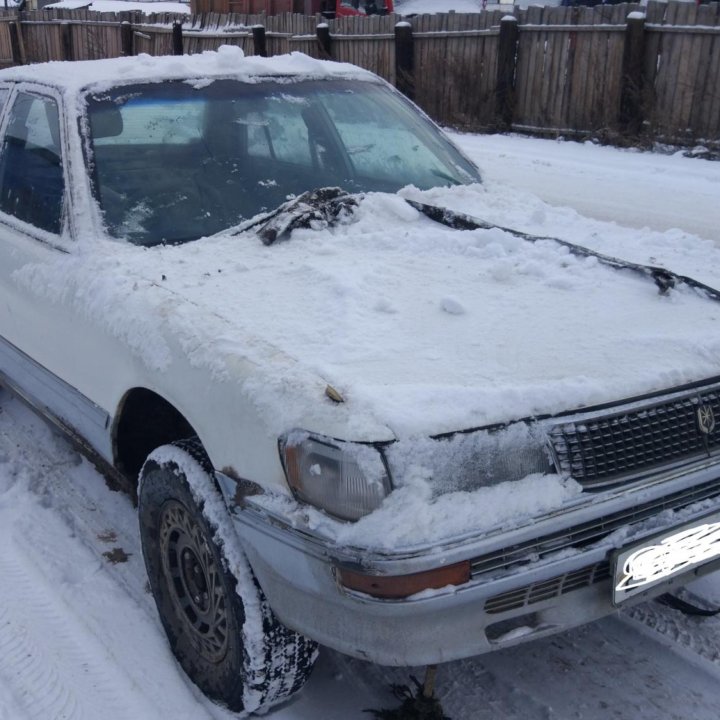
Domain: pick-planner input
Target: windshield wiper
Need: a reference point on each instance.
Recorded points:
(663, 278)
(320, 208)
(323, 205)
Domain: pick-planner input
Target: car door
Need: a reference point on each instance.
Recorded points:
(44, 354)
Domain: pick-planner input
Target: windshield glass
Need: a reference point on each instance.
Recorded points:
(175, 161)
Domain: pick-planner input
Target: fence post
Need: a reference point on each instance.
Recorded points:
(66, 41)
(405, 59)
(324, 41)
(633, 75)
(505, 79)
(259, 40)
(177, 38)
(16, 43)
(127, 39)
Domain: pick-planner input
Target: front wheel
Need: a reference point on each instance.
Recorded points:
(218, 622)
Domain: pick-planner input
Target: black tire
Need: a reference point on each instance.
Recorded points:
(218, 622)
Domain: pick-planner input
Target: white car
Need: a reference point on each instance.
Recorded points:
(253, 292)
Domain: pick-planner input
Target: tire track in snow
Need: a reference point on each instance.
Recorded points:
(54, 666)
(69, 633)
(23, 664)
(9, 706)
(699, 636)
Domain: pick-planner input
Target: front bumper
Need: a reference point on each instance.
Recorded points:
(534, 580)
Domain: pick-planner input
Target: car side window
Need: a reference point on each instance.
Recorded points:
(31, 172)
(3, 98)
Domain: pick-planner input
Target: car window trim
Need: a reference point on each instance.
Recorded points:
(10, 87)
(57, 241)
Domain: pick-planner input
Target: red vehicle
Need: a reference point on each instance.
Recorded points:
(342, 8)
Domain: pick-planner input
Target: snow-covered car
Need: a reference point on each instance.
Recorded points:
(256, 293)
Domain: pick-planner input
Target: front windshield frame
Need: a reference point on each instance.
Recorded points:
(137, 163)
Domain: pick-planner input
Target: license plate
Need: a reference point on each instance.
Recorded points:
(656, 560)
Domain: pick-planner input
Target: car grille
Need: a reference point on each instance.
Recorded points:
(584, 534)
(624, 445)
(537, 592)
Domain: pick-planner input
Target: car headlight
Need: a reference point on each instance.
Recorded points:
(347, 480)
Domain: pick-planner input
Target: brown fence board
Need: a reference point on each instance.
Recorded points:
(708, 107)
(714, 98)
(683, 83)
(374, 52)
(707, 59)
(307, 44)
(527, 68)
(689, 72)
(557, 75)
(595, 75)
(42, 42)
(455, 77)
(6, 57)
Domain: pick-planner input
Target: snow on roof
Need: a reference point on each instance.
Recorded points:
(227, 61)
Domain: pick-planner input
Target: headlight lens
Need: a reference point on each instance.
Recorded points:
(347, 480)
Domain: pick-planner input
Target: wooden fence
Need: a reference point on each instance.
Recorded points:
(606, 70)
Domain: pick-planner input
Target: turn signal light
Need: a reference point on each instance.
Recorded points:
(396, 587)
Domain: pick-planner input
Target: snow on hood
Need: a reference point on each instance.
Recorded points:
(421, 328)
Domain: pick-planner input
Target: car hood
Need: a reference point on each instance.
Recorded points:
(420, 328)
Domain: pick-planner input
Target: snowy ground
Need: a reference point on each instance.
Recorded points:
(79, 636)
(631, 188)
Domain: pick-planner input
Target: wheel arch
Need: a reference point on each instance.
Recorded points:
(145, 420)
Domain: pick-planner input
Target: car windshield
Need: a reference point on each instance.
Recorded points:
(176, 161)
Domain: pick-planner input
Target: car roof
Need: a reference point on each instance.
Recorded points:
(227, 62)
